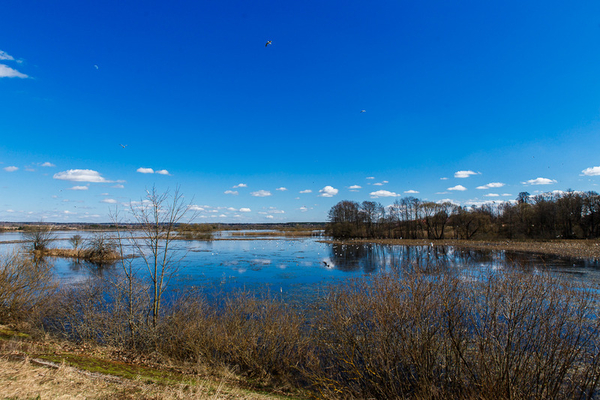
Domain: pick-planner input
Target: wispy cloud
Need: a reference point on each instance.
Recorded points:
(109, 201)
(303, 209)
(411, 191)
(260, 193)
(443, 179)
(383, 193)
(232, 192)
(491, 185)
(355, 187)
(143, 170)
(539, 181)
(306, 191)
(79, 188)
(458, 187)
(118, 186)
(328, 191)
(5, 56)
(592, 171)
(491, 195)
(281, 189)
(245, 210)
(12, 168)
(47, 164)
(465, 174)
(240, 185)
(80, 175)
(8, 72)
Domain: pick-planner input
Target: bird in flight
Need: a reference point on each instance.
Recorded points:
(123, 145)
(268, 43)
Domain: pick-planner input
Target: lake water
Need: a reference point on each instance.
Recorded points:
(297, 265)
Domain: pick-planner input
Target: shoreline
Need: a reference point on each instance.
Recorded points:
(589, 249)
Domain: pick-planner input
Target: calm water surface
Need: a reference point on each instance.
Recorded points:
(295, 265)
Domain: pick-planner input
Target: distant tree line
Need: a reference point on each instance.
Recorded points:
(558, 215)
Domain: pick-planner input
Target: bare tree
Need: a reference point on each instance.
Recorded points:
(158, 215)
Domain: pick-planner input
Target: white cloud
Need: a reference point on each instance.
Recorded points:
(5, 56)
(162, 172)
(465, 174)
(306, 191)
(118, 186)
(491, 185)
(491, 195)
(411, 191)
(281, 189)
(383, 193)
(233, 192)
(458, 187)
(47, 164)
(79, 188)
(109, 201)
(195, 208)
(592, 171)
(378, 184)
(506, 194)
(241, 185)
(328, 191)
(80, 175)
(12, 168)
(539, 181)
(244, 209)
(8, 72)
(448, 201)
(303, 209)
(269, 216)
(260, 193)
(354, 187)
(69, 212)
(370, 177)
(443, 179)
(143, 170)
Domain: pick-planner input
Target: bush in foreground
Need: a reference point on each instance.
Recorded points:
(405, 335)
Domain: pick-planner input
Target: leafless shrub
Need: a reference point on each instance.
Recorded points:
(38, 238)
(76, 241)
(24, 284)
(407, 335)
(101, 248)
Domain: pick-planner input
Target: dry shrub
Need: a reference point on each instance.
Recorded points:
(509, 335)
(25, 282)
(257, 336)
(408, 335)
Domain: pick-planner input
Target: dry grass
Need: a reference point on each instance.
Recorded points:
(28, 379)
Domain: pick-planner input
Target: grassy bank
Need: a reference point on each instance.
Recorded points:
(34, 367)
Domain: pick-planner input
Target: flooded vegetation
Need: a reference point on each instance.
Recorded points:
(323, 319)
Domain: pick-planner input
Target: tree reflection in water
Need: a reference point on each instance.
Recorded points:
(372, 258)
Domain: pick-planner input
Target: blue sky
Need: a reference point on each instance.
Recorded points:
(468, 101)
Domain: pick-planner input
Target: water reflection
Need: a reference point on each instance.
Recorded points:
(292, 262)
